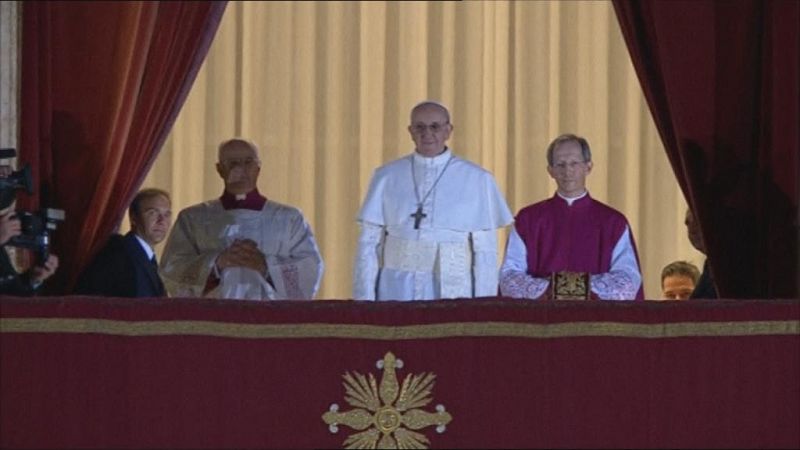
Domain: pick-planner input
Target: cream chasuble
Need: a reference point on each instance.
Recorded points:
(281, 233)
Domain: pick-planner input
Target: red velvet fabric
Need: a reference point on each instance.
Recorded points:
(183, 387)
(722, 80)
(102, 83)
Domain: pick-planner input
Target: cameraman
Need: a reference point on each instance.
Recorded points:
(12, 282)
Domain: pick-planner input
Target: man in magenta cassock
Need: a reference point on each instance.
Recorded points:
(571, 232)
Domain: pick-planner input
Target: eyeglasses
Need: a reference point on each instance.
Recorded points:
(568, 164)
(244, 162)
(435, 127)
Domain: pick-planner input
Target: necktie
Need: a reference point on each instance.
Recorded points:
(160, 285)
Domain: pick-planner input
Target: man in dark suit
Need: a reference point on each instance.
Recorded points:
(126, 266)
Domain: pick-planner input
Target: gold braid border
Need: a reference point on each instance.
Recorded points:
(403, 332)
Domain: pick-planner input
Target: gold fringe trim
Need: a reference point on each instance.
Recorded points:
(403, 332)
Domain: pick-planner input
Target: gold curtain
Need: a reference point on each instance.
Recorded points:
(325, 88)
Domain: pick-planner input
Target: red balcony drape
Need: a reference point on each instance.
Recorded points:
(722, 80)
(192, 373)
(102, 83)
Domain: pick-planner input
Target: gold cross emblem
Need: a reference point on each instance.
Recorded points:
(385, 415)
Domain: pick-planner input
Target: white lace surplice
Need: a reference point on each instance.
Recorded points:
(621, 282)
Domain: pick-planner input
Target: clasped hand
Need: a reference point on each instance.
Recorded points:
(243, 253)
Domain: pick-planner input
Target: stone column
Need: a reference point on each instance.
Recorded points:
(10, 15)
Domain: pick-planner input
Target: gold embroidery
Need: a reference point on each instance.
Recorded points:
(570, 286)
(402, 332)
(390, 411)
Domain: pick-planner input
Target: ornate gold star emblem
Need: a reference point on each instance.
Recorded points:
(387, 413)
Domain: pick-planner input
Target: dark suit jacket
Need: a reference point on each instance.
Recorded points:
(121, 269)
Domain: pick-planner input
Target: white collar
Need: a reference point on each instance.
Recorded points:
(570, 200)
(145, 246)
(433, 161)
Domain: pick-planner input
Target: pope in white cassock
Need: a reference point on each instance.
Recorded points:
(429, 221)
(241, 245)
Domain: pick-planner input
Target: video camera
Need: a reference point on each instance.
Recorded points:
(35, 227)
(18, 180)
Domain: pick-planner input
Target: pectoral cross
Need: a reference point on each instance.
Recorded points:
(418, 217)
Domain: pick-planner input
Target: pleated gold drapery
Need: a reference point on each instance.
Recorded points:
(325, 88)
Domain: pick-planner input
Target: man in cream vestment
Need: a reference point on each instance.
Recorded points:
(429, 221)
(241, 245)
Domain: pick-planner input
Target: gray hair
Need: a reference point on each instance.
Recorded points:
(425, 103)
(585, 150)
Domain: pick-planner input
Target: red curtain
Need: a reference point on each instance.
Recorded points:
(722, 80)
(102, 83)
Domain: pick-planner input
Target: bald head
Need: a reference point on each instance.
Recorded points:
(236, 144)
(238, 165)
